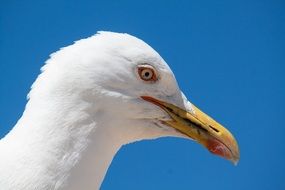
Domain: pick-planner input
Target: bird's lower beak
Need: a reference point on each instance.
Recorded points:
(202, 128)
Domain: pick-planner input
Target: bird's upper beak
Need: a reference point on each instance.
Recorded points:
(200, 127)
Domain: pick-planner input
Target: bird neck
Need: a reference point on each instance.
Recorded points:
(57, 146)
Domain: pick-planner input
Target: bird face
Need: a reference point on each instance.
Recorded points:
(139, 92)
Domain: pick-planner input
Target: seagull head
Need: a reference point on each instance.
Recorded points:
(131, 91)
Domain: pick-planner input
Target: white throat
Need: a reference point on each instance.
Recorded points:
(57, 146)
(83, 107)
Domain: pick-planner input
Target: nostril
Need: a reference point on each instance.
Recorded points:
(216, 130)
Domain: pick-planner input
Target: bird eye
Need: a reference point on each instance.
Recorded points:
(147, 73)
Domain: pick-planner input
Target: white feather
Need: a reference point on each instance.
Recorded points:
(82, 108)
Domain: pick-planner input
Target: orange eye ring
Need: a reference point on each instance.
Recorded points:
(147, 73)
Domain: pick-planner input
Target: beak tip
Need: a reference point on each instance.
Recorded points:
(234, 156)
(235, 161)
(235, 152)
(229, 152)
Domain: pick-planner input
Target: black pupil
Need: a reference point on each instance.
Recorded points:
(146, 74)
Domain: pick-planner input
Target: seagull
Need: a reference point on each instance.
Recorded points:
(92, 98)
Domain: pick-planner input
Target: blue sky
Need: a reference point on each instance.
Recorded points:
(228, 57)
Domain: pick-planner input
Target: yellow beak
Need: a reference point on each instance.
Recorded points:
(202, 128)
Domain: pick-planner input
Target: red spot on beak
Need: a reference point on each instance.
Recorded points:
(218, 148)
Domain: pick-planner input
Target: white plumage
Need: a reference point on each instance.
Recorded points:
(83, 107)
(88, 101)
